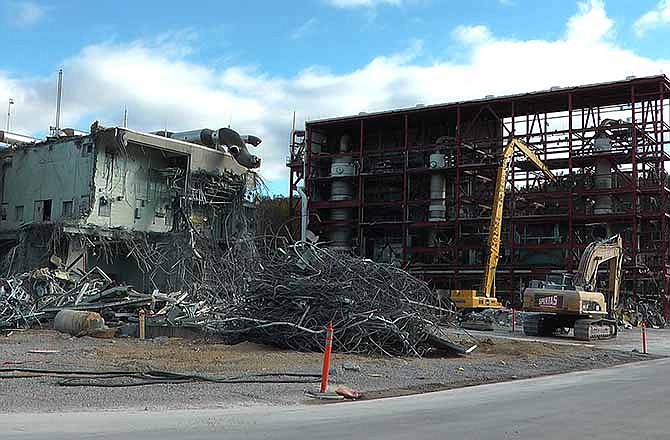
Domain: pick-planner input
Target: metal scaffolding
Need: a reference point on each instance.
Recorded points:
(415, 186)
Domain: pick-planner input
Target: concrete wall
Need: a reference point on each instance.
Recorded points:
(129, 193)
(57, 173)
(109, 179)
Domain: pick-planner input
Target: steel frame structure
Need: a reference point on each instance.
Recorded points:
(546, 226)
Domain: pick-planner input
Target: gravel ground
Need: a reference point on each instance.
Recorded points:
(494, 360)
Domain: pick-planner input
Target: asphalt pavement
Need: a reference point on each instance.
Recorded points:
(627, 402)
(658, 339)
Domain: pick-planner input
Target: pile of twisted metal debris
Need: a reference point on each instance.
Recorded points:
(35, 297)
(633, 311)
(277, 294)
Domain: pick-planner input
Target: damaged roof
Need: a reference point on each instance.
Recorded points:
(202, 158)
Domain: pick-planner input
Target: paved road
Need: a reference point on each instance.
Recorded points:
(628, 339)
(627, 402)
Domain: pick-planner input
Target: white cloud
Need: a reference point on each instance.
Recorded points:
(654, 18)
(26, 13)
(350, 4)
(591, 23)
(471, 35)
(158, 83)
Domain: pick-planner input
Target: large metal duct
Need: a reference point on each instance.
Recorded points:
(437, 211)
(603, 178)
(342, 169)
(16, 139)
(223, 137)
(203, 136)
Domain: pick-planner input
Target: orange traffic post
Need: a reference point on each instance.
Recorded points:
(644, 338)
(326, 358)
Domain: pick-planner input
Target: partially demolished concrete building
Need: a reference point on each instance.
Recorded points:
(131, 203)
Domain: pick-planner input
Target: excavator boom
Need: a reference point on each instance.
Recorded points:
(594, 255)
(495, 227)
(485, 297)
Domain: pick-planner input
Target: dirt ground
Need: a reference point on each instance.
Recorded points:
(493, 360)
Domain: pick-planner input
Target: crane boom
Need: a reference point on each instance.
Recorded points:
(495, 226)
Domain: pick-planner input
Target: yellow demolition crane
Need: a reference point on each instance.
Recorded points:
(485, 298)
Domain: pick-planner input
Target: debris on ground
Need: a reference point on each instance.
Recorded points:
(348, 393)
(322, 396)
(267, 292)
(491, 319)
(478, 321)
(633, 311)
(31, 298)
(287, 297)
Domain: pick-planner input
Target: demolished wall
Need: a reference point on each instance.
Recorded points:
(134, 204)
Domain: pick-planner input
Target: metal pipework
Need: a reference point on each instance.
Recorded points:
(16, 139)
(342, 169)
(603, 178)
(203, 136)
(227, 137)
(438, 189)
(252, 140)
(238, 148)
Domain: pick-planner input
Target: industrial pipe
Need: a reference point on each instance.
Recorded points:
(303, 215)
(235, 143)
(16, 139)
(204, 136)
(252, 140)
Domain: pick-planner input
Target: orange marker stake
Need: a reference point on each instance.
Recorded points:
(326, 358)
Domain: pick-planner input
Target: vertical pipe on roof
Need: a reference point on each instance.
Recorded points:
(58, 99)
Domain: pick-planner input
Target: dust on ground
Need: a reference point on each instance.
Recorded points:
(494, 360)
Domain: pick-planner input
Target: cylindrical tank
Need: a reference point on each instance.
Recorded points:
(78, 323)
(603, 178)
(437, 211)
(340, 235)
(342, 169)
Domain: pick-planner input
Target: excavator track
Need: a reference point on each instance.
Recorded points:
(595, 329)
(539, 325)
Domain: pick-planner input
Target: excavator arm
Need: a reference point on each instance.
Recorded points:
(595, 254)
(495, 227)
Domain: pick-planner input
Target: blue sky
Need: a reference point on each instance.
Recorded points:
(197, 64)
